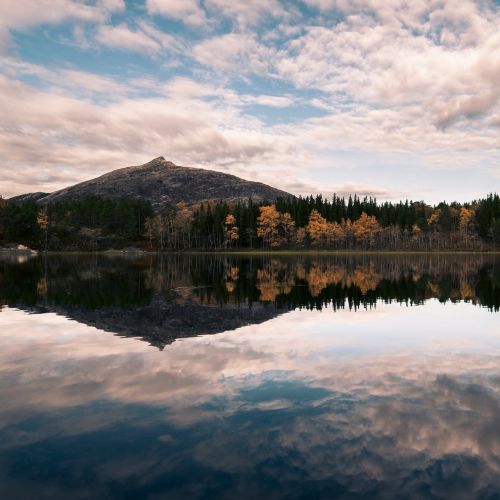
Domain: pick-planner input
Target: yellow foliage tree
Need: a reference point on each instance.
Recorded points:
(366, 228)
(335, 233)
(300, 236)
(275, 227)
(268, 225)
(465, 220)
(435, 217)
(42, 219)
(287, 226)
(416, 233)
(231, 230)
(317, 228)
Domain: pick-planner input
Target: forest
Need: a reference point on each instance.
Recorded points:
(95, 223)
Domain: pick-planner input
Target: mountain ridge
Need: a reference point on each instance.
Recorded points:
(164, 183)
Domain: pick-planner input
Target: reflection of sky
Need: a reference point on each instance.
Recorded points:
(383, 402)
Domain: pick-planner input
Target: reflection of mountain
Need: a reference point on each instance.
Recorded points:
(177, 296)
(161, 323)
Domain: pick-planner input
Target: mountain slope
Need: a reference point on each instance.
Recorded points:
(23, 198)
(163, 183)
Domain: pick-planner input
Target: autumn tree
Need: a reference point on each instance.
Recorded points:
(181, 226)
(156, 230)
(366, 229)
(42, 220)
(348, 231)
(466, 221)
(317, 228)
(231, 230)
(274, 227)
(287, 228)
(434, 218)
(335, 234)
(268, 224)
(416, 234)
(300, 236)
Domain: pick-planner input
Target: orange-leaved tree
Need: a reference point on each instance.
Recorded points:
(231, 230)
(274, 227)
(317, 228)
(366, 228)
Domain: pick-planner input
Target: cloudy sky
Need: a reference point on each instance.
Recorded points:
(392, 98)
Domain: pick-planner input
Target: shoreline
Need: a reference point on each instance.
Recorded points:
(37, 253)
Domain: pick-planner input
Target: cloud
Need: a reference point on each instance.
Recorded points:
(187, 11)
(469, 107)
(122, 37)
(247, 14)
(190, 12)
(236, 53)
(346, 189)
(370, 77)
(88, 138)
(23, 14)
(272, 101)
(72, 81)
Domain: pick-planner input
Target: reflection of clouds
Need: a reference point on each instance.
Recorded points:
(401, 443)
(79, 363)
(393, 401)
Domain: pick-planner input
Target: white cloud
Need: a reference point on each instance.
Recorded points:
(392, 77)
(345, 189)
(247, 14)
(234, 53)
(272, 101)
(187, 11)
(122, 37)
(182, 87)
(23, 14)
(80, 139)
(243, 14)
(71, 81)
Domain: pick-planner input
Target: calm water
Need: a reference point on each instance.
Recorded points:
(225, 377)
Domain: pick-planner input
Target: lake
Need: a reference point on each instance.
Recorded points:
(221, 377)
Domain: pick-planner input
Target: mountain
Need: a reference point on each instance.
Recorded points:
(163, 183)
(23, 198)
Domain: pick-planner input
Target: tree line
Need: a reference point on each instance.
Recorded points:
(91, 223)
(339, 223)
(95, 223)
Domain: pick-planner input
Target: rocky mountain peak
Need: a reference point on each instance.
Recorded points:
(163, 183)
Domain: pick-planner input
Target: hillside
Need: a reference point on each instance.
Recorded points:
(23, 198)
(164, 183)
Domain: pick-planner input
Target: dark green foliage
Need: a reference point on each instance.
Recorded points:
(88, 223)
(18, 224)
(488, 215)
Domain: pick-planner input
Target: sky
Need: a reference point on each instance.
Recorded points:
(388, 98)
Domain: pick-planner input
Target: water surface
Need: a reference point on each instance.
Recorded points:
(225, 377)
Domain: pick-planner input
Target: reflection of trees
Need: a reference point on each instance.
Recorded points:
(299, 281)
(273, 279)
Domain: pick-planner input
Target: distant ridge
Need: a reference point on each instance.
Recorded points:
(22, 198)
(164, 183)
